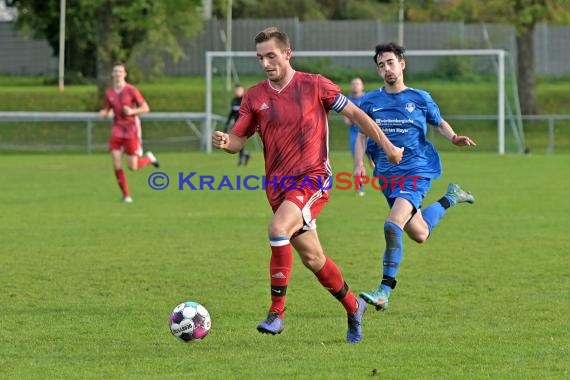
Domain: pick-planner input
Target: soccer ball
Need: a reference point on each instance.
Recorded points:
(190, 321)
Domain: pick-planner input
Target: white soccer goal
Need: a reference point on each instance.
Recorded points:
(495, 60)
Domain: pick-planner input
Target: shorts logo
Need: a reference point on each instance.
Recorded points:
(300, 198)
(410, 107)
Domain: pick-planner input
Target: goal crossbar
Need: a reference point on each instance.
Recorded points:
(499, 53)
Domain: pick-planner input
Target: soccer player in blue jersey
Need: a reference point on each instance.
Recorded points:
(403, 114)
(356, 94)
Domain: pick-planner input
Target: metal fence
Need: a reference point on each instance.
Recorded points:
(22, 56)
(553, 133)
(195, 131)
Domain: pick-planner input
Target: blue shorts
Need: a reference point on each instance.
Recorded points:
(412, 188)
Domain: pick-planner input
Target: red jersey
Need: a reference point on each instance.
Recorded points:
(124, 126)
(293, 125)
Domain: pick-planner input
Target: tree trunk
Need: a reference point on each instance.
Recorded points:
(104, 48)
(525, 70)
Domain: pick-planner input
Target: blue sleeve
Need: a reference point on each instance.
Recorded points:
(433, 115)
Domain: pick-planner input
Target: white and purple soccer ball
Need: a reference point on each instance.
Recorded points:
(190, 321)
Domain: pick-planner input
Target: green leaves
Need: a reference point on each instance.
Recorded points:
(99, 32)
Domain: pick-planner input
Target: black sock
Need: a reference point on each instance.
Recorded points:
(444, 202)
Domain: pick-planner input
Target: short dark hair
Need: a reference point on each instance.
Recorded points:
(273, 32)
(390, 47)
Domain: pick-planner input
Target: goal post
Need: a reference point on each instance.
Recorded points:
(497, 54)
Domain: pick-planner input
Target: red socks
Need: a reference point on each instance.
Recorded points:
(142, 162)
(122, 181)
(280, 267)
(331, 278)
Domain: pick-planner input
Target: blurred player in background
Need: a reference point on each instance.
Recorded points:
(124, 102)
(289, 112)
(356, 94)
(403, 114)
(244, 155)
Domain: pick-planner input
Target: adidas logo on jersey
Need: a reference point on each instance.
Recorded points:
(264, 106)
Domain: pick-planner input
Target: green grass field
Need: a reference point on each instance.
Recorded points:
(88, 282)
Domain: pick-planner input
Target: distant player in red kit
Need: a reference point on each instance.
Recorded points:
(124, 103)
(289, 112)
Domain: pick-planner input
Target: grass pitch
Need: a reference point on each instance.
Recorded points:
(88, 282)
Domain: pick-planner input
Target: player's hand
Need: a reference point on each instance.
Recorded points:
(104, 114)
(395, 155)
(462, 141)
(359, 174)
(359, 169)
(128, 110)
(220, 140)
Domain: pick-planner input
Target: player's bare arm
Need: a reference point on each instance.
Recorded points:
(106, 113)
(447, 131)
(228, 141)
(359, 150)
(369, 127)
(144, 108)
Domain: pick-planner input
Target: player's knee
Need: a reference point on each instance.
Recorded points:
(314, 261)
(420, 237)
(276, 229)
(132, 167)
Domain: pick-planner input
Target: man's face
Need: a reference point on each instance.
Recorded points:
(390, 68)
(356, 86)
(274, 59)
(119, 73)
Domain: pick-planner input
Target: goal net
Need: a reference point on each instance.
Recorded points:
(474, 89)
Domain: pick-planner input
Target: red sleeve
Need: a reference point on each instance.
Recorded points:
(137, 96)
(328, 91)
(246, 124)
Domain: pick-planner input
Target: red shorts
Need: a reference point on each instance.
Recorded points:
(131, 146)
(309, 199)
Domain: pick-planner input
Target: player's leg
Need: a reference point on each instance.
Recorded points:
(435, 211)
(310, 250)
(400, 213)
(244, 157)
(417, 228)
(286, 220)
(135, 159)
(116, 154)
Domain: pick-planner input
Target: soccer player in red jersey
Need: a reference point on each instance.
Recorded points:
(289, 112)
(124, 103)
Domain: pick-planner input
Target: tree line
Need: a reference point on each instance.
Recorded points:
(102, 32)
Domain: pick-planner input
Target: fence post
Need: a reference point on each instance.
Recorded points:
(89, 137)
(550, 148)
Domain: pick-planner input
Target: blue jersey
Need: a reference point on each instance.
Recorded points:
(403, 117)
